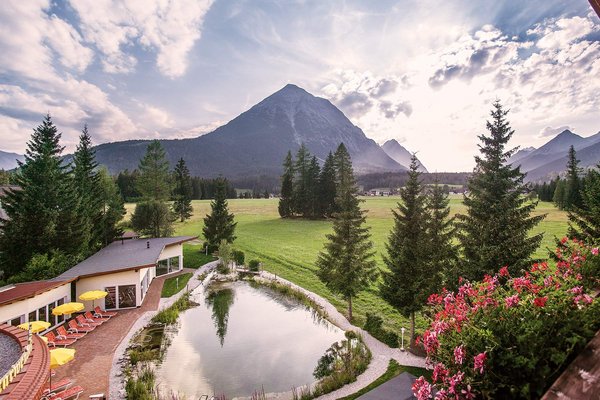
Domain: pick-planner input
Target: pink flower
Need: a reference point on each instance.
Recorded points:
(577, 290)
(430, 341)
(455, 380)
(459, 354)
(504, 271)
(442, 394)
(439, 372)
(512, 301)
(479, 361)
(540, 301)
(422, 389)
(467, 393)
(520, 283)
(595, 251)
(548, 281)
(434, 299)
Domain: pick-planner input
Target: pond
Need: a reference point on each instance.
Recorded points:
(243, 338)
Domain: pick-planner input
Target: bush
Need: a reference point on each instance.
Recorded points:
(239, 257)
(254, 265)
(222, 269)
(374, 325)
(511, 337)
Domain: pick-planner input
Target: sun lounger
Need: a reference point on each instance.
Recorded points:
(103, 314)
(55, 342)
(63, 334)
(90, 318)
(73, 327)
(83, 322)
(59, 386)
(68, 394)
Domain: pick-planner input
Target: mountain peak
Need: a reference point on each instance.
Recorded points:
(566, 134)
(399, 154)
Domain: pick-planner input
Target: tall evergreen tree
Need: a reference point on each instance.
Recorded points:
(86, 180)
(287, 187)
(314, 209)
(407, 284)
(219, 224)
(301, 198)
(560, 194)
(584, 221)
(327, 187)
(152, 216)
(495, 231)
(112, 208)
(346, 264)
(182, 204)
(42, 216)
(573, 185)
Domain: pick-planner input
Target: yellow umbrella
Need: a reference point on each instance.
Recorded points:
(93, 295)
(60, 357)
(67, 308)
(36, 326)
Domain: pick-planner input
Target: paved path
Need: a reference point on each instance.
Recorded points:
(94, 352)
(380, 351)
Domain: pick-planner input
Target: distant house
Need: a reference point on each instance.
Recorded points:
(380, 192)
(125, 269)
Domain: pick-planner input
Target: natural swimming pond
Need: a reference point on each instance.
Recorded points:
(242, 338)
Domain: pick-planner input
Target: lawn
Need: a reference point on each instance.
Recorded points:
(175, 284)
(194, 256)
(289, 247)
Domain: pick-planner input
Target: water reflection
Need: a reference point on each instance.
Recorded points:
(220, 300)
(271, 341)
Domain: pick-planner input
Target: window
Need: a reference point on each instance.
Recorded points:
(32, 316)
(16, 321)
(52, 318)
(110, 301)
(162, 267)
(60, 318)
(127, 296)
(43, 314)
(174, 264)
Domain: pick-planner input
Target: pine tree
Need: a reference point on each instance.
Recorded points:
(406, 285)
(87, 187)
(346, 264)
(560, 194)
(287, 187)
(153, 218)
(301, 195)
(42, 216)
(154, 181)
(495, 231)
(219, 224)
(572, 189)
(327, 187)
(584, 221)
(112, 208)
(314, 210)
(182, 204)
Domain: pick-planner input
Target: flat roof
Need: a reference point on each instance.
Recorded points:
(122, 256)
(21, 291)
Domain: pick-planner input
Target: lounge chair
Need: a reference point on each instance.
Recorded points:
(74, 328)
(59, 386)
(63, 334)
(55, 342)
(68, 394)
(90, 318)
(83, 322)
(103, 314)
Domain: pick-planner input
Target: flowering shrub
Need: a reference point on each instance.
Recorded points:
(510, 337)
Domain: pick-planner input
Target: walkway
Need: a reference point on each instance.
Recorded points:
(380, 351)
(94, 352)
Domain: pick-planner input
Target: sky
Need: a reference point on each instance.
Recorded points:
(419, 71)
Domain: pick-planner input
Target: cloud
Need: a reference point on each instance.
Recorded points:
(549, 131)
(168, 28)
(391, 110)
(383, 87)
(355, 103)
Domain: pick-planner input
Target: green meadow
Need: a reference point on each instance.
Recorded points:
(289, 247)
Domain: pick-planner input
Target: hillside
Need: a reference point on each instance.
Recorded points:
(399, 154)
(9, 160)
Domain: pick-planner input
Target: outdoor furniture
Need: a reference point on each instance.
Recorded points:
(104, 314)
(59, 386)
(54, 341)
(90, 318)
(68, 394)
(83, 322)
(74, 328)
(63, 334)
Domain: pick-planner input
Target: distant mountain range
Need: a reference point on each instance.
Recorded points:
(9, 160)
(256, 142)
(400, 154)
(550, 160)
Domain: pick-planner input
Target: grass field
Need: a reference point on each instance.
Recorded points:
(175, 284)
(289, 248)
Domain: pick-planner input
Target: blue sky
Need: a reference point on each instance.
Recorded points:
(422, 72)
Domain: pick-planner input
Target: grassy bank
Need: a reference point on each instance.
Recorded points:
(289, 248)
(175, 284)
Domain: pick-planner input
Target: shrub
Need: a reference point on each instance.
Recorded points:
(136, 356)
(254, 265)
(222, 269)
(374, 325)
(239, 257)
(511, 337)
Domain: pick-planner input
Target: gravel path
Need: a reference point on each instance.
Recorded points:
(380, 351)
(10, 352)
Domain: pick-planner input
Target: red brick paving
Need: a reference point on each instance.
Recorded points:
(94, 352)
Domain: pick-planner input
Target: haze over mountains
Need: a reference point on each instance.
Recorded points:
(9, 160)
(400, 154)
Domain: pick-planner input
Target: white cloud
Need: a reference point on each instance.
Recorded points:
(549, 131)
(169, 28)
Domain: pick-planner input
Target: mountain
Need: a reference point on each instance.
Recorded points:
(551, 159)
(522, 153)
(9, 160)
(399, 154)
(256, 142)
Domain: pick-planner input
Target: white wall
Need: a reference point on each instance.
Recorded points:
(100, 282)
(175, 250)
(24, 307)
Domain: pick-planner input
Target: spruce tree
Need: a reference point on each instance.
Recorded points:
(407, 283)
(560, 194)
(314, 209)
(495, 231)
(346, 264)
(584, 221)
(112, 208)
(182, 205)
(287, 187)
(87, 187)
(572, 189)
(219, 224)
(42, 217)
(327, 187)
(301, 197)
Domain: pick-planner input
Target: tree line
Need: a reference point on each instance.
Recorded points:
(60, 213)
